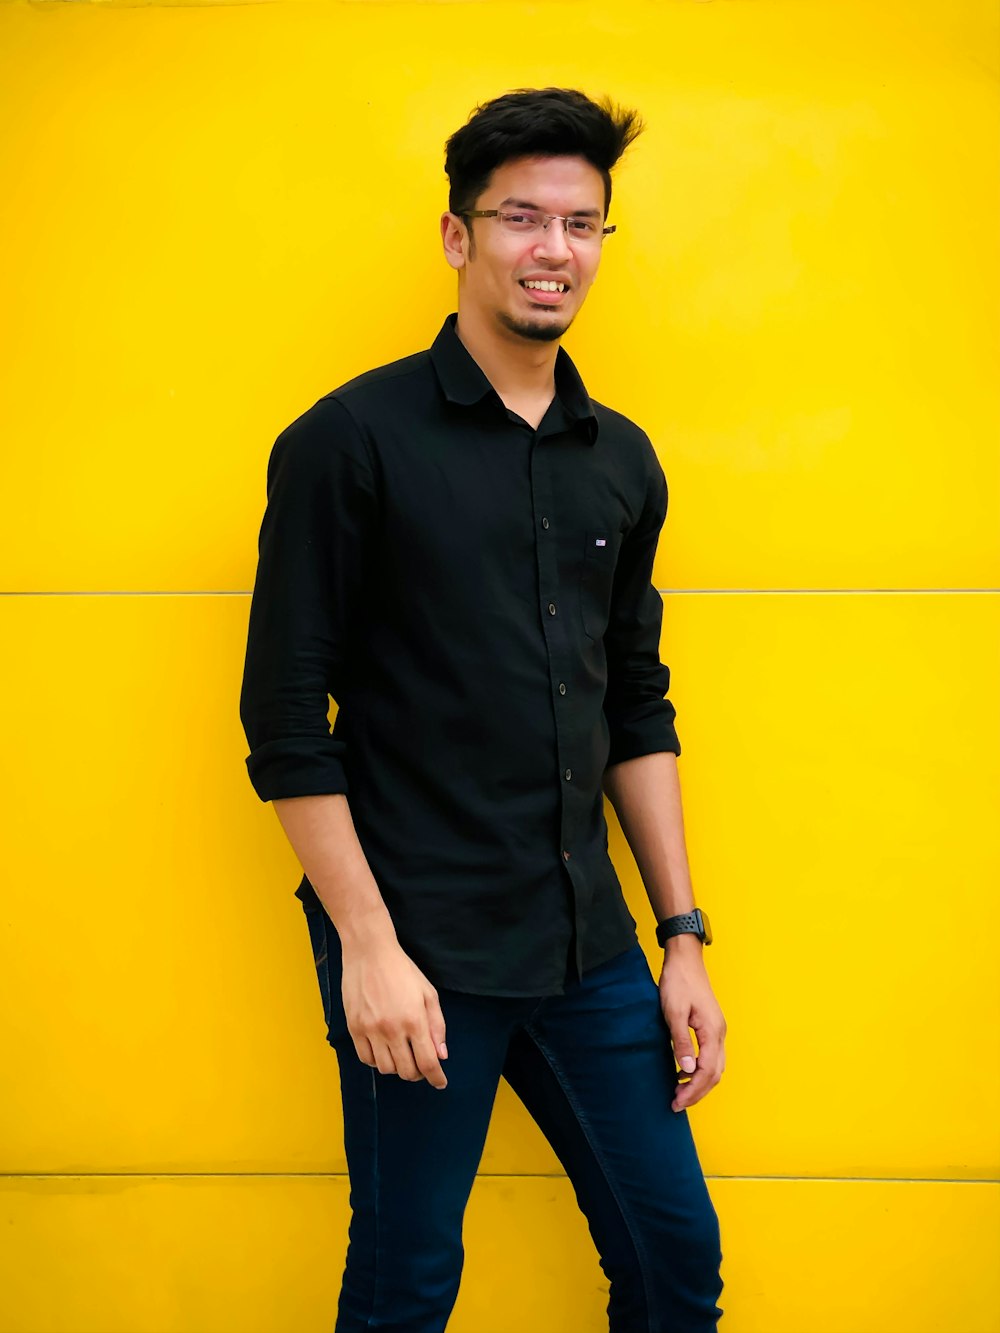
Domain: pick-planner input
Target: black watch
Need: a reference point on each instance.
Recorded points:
(688, 923)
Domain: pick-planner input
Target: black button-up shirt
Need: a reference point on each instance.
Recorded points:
(476, 596)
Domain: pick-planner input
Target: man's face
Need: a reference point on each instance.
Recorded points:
(494, 271)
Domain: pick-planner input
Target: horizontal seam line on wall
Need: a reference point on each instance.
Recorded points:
(487, 1175)
(673, 592)
(223, 4)
(169, 4)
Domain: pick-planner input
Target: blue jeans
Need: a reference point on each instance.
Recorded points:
(595, 1069)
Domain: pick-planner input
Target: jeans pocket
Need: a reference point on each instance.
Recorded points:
(321, 939)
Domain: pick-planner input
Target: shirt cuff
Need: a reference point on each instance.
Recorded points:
(297, 767)
(643, 732)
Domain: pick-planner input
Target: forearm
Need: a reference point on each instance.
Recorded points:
(646, 795)
(322, 834)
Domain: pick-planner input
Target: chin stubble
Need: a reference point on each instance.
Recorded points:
(543, 333)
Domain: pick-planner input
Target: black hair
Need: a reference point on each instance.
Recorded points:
(536, 122)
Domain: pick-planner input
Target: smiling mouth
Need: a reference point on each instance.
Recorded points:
(550, 288)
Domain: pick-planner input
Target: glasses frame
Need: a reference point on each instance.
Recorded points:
(548, 217)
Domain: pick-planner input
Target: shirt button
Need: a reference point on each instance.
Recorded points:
(552, 608)
(565, 856)
(545, 522)
(562, 688)
(568, 774)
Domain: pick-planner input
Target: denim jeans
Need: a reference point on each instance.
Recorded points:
(595, 1069)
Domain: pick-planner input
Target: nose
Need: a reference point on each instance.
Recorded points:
(554, 242)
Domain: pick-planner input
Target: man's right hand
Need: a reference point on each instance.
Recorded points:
(393, 1013)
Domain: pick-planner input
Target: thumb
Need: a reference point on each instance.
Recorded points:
(436, 1025)
(684, 1050)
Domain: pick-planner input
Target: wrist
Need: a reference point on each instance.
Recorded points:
(363, 933)
(686, 943)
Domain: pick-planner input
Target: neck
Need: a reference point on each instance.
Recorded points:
(518, 368)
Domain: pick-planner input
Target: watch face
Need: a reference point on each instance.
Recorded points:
(705, 926)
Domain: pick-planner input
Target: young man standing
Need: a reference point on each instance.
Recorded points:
(458, 548)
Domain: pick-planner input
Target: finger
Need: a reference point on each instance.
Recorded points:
(383, 1056)
(687, 1094)
(364, 1049)
(710, 1056)
(427, 1061)
(436, 1026)
(705, 1077)
(684, 1052)
(403, 1059)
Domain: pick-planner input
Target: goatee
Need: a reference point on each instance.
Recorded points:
(527, 328)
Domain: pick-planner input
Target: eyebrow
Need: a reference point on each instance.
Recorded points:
(526, 203)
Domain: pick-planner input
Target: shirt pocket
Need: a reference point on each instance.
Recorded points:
(597, 574)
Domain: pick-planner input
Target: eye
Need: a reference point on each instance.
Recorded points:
(582, 226)
(523, 221)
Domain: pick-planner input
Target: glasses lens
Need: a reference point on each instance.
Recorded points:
(521, 222)
(527, 220)
(583, 229)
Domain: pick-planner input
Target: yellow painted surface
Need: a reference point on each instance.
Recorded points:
(839, 779)
(160, 1013)
(221, 212)
(264, 1254)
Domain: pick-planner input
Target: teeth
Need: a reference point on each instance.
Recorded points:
(546, 286)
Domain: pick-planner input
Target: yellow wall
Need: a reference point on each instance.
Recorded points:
(215, 214)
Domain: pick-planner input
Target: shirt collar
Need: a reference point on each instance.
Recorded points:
(464, 381)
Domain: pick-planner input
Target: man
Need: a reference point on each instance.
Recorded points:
(457, 548)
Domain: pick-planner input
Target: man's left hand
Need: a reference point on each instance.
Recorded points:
(688, 1002)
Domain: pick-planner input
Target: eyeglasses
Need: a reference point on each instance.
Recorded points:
(527, 220)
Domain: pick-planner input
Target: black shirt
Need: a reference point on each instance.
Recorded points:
(476, 597)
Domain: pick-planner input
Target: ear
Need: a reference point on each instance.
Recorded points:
(455, 239)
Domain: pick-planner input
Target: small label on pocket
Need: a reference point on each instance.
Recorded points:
(600, 541)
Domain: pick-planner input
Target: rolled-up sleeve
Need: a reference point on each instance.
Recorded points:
(640, 718)
(315, 544)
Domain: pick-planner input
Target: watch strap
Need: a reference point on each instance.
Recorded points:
(687, 923)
